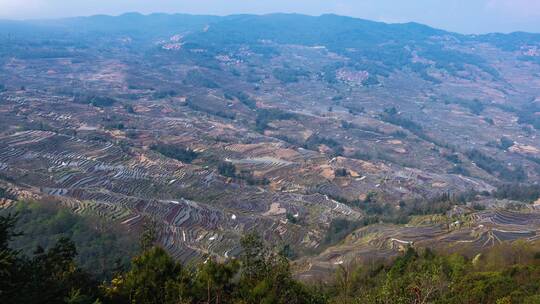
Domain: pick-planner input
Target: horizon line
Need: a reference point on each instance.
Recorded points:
(255, 14)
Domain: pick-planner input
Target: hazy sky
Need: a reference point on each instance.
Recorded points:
(465, 16)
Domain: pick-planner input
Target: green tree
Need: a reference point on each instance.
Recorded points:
(53, 274)
(266, 277)
(9, 261)
(50, 276)
(149, 236)
(215, 282)
(154, 278)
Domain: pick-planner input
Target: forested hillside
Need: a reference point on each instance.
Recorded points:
(508, 273)
(102, 246)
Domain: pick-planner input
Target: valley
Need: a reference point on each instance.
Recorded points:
(344, 140)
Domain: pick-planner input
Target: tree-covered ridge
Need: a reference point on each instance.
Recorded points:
(508, 273)
(388, 46)
(102, 246)
(504, 274)
(54, 276)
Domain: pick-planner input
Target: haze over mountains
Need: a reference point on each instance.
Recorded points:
(324, 134)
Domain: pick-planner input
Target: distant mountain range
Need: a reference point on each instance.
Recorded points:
(337, 33)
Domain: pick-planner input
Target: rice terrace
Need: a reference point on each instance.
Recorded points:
(352, 161)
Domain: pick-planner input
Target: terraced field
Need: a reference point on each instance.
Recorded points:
(468, 234)
(233, 128)
(102, 179)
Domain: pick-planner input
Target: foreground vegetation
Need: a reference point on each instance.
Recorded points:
(508, 273)
(102, 248)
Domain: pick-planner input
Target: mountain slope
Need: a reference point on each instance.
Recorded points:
(302, 128)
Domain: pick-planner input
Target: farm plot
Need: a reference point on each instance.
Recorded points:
(100, 178)
(485, 229)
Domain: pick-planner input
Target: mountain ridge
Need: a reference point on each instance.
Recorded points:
(222, 17)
